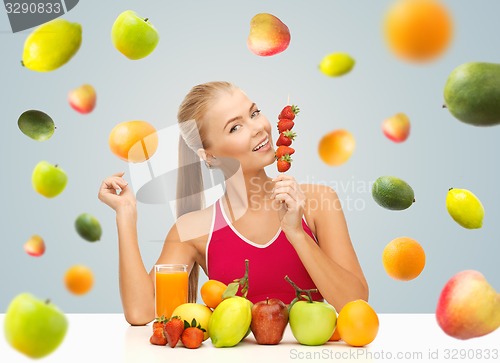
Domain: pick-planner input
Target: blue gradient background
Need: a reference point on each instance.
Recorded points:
(204, 41)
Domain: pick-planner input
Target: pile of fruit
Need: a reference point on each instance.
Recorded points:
(227, 319)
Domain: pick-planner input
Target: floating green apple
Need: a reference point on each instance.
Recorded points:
(134, 36)
(36, 124)
(48, 180)
(34, 327)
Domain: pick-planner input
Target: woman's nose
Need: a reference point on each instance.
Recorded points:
(259, 125)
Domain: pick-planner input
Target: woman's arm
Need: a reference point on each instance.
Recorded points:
(136, 284)
(332, 264)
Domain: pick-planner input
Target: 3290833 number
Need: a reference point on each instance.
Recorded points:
(33, 8)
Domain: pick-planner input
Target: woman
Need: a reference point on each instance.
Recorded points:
(283, 228)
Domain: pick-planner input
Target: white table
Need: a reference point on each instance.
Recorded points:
(99, 338)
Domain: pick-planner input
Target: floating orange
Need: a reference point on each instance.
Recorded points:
(79, 279)
(403, 258)
(134, 141)
(336, 147)
(418, 30)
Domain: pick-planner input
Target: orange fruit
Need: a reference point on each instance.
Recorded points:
(335, 336)
(418, 30)
(134, 141)
(403, 258)
(336, 147)
(79, 279)
(357, 323)
(211, 293)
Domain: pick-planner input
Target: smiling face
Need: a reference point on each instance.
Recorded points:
(235, 128)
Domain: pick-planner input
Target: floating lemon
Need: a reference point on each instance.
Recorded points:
(336, 64)
(51, 45)
(465, 208)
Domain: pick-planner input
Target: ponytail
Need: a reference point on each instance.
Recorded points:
(190, 197)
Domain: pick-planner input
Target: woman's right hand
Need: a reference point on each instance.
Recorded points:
(108, 192)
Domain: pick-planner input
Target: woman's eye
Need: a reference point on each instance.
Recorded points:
(234, 128)
(255, 113)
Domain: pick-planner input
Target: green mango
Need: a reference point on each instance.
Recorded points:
(472, 93)
(230, 322)
(88, 227)
(36, 124)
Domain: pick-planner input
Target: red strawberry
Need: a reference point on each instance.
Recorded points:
(286, 138)
(173, 330)
(289, 112)
(284, 163)
(159, 322)
(284, 150)
(285, 124)
(158, 337)
(192, 336)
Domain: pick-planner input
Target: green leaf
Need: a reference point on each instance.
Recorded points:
(231, 290)
(186, 324)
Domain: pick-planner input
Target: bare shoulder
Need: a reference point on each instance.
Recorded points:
(320, 200)
(194, 226)
(318, 191)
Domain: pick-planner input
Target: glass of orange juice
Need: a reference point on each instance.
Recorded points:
(171, 288)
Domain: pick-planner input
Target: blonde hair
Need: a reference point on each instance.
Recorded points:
(190, 192)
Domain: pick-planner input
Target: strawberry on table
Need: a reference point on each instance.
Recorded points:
(286, 138)
(158, 337)
(289, 112)
(173, 330)
(192, 336)
(159, 322)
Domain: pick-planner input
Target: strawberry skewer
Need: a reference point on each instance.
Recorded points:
(286, 137)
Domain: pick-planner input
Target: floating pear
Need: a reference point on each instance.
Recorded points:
(472, 93)
(36, 124)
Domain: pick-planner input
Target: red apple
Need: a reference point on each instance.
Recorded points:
(35, 246)
(269, 320)
(83, 98)
(468, 306)
(268, 35)
(397, 127)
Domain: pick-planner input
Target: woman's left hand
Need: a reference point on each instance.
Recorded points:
(288, 193)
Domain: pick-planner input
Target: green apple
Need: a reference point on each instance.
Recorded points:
(312, 323)
(48, 180)
(134, 36)
(34, 327)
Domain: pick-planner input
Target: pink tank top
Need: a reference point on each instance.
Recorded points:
(227, 250)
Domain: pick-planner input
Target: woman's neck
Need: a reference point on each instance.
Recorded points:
(247, 191)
